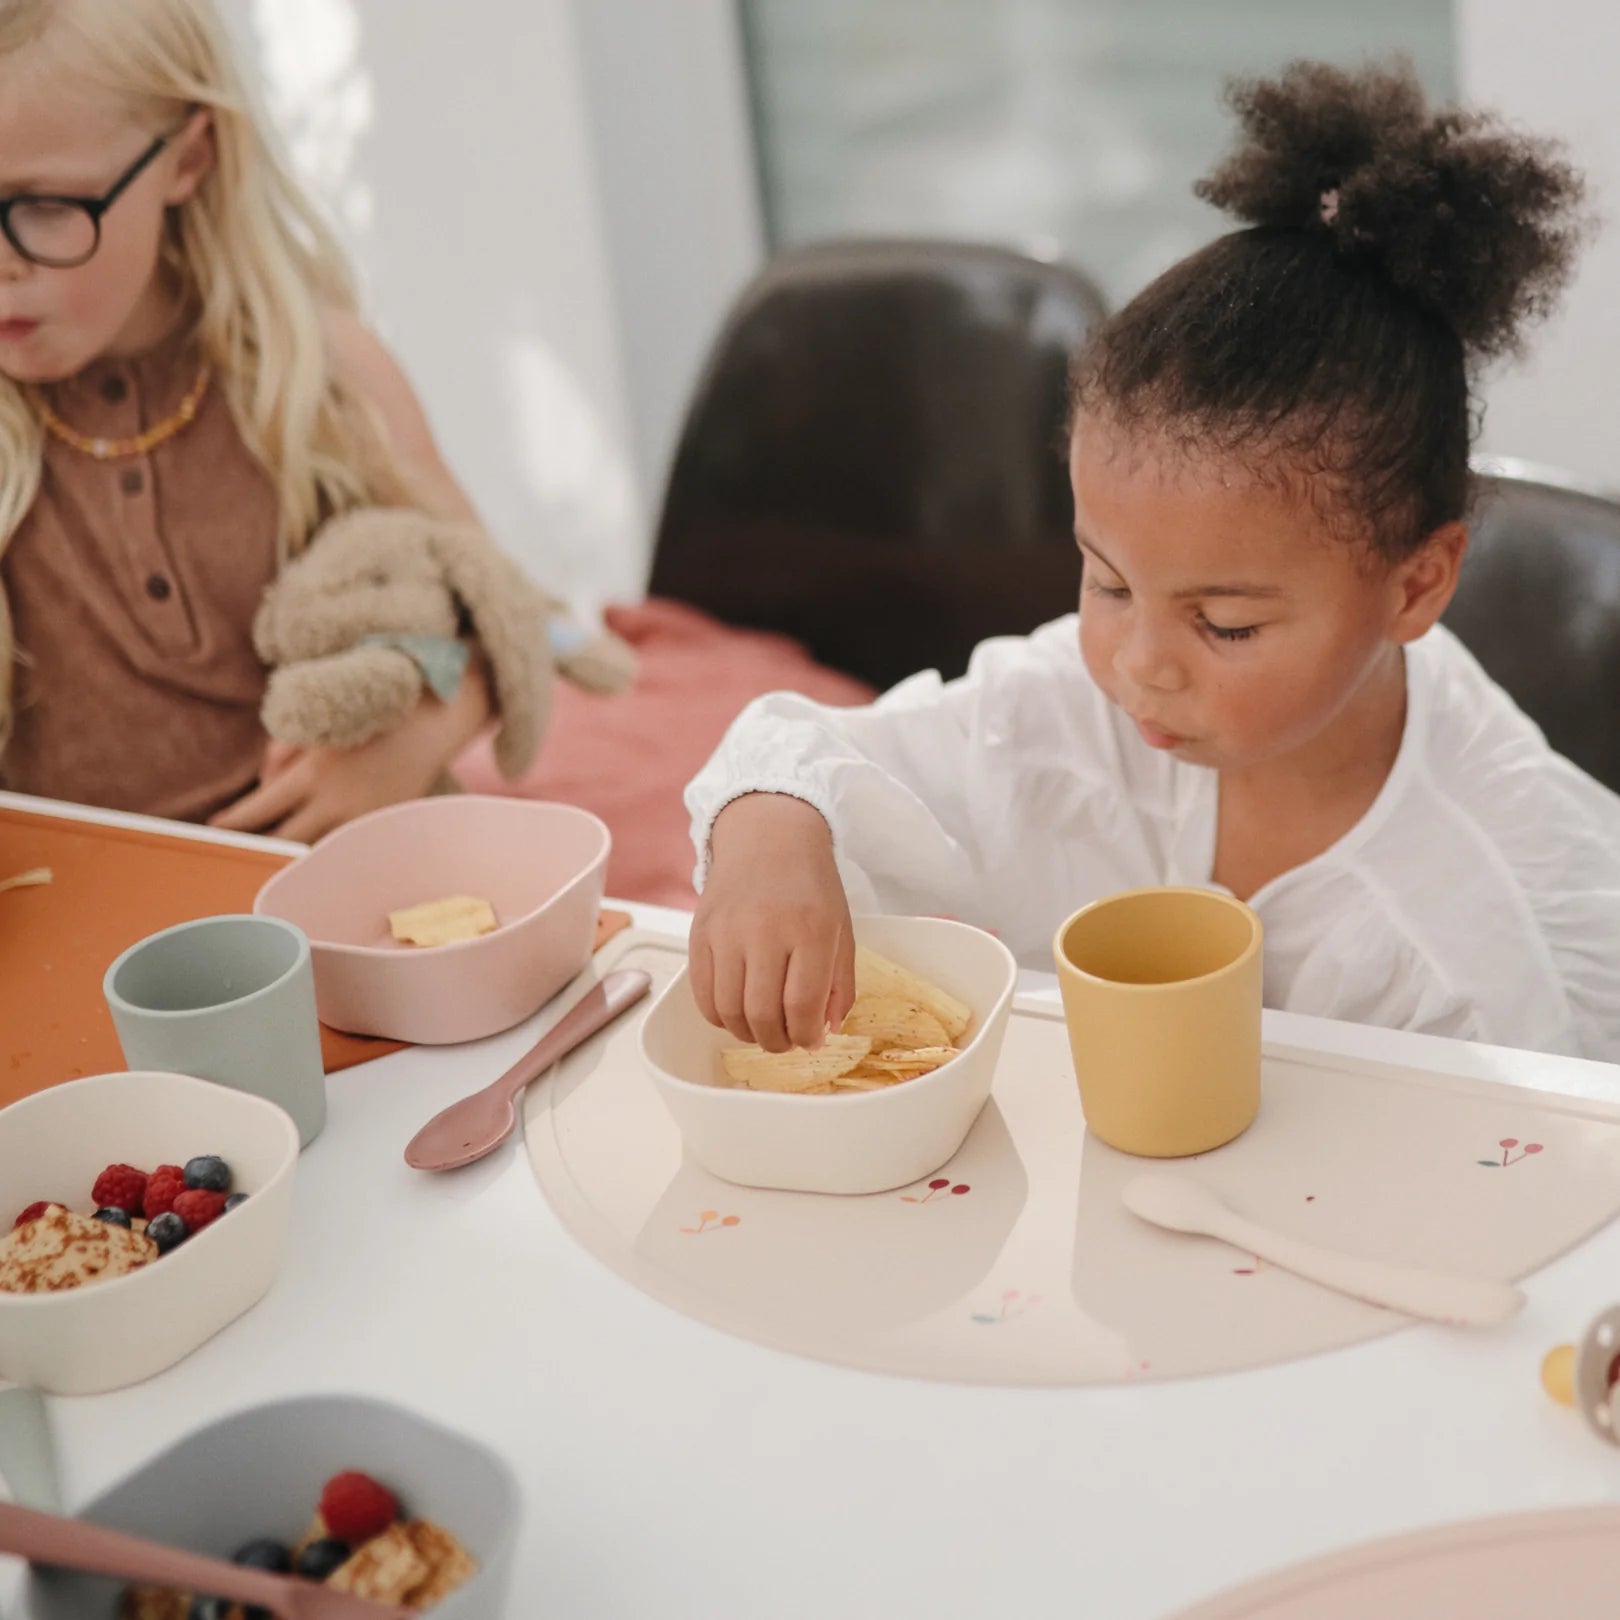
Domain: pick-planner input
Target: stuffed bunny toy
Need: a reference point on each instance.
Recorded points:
(373, 610)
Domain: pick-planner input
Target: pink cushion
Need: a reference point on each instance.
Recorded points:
(629, 758)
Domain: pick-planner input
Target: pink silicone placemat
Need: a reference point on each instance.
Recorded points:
(1016, 1263)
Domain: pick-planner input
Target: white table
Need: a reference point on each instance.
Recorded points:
(670, 1470)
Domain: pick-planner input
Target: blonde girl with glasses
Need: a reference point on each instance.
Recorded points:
(186, 393)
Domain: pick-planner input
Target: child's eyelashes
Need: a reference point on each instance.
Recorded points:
(1220, 632)
(1237, 632)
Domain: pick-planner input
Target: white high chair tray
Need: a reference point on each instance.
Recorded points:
(1016, 1263)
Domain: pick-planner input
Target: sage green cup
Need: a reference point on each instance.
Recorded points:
(228, 999)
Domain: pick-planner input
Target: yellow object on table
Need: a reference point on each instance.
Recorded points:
(443, 922)
(1558, 1374)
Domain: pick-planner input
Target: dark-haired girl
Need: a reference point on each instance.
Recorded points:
(1270, 468)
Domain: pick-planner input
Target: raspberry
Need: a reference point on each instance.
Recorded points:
(32, 1213)
(163, 1186)
(198, 1207)
(356, 1508)
(120, 1186)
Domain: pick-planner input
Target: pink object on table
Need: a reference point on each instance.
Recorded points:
(63, 1543)
(476, 1125)
(541, 867)
(628, 759)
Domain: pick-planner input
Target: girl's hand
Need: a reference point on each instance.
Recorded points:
(773, 949)
(304, 793)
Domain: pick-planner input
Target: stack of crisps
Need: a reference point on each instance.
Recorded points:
(899, 1027)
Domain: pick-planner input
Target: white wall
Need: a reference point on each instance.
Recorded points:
(672, 140)
(1551, 67)
(550, 205)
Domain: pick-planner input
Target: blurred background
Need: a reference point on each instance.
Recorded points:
(553, 202)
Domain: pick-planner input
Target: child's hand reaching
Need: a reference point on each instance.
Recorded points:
(773, 949)
(304, 793)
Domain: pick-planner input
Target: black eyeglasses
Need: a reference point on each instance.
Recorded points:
(62, 232)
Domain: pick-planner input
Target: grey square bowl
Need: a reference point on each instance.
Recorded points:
(260, 1472)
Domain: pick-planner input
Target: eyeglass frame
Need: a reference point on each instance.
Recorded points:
(93, 207)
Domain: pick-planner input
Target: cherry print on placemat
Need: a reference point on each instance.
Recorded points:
(1013, 1305)
(711, 1220)
(936, 1187)
(1507, 1145)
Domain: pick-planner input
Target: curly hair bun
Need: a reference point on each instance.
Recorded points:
(1472, 219)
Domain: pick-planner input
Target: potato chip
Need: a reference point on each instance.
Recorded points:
(797, 1070)
(31, 879)
(877, 976)
(892, 1021)
(907, 1065)
(443, 922)
(855, 1080)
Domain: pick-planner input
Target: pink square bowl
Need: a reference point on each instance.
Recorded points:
(542, 867)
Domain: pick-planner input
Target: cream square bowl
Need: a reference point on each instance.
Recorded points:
(542, 867)
(863, 1143)
(109, 1334)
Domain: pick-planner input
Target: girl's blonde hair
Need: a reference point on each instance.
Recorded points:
(248, 252)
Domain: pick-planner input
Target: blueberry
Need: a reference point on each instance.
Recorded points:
(263, 1554)
(320, 1558)
(113, 1216)
(209, 1173)
(168, 1231)
(235, 1201)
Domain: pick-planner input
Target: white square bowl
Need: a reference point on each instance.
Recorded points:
(861, 1143)
(109, 1334)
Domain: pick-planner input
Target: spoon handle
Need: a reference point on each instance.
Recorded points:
(1432, 1295)
(44, 1538)
(597, 1008)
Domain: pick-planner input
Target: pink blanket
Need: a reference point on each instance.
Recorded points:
(627, 759)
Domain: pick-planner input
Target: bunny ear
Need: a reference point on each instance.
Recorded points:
(509, 617)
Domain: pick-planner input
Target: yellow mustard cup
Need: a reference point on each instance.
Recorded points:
(1161, 993)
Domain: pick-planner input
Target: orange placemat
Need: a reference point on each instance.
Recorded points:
(110, 887)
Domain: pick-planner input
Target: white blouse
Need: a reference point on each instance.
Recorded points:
(1479, 896)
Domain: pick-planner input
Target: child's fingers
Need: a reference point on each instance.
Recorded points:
(311, 821)
(841, 997)
(765, 975)
(805, 995)
(700, 975)
(277, 757)
(728, 992)
(267, 804)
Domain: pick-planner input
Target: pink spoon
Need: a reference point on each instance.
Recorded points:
(43, 1538)
(478, 1124)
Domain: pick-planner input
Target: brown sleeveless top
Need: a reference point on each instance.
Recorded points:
(133, 586)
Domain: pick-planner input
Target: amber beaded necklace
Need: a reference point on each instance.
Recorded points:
(142, 443)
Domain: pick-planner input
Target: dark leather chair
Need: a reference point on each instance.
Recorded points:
(1539, 606)
(872, 461)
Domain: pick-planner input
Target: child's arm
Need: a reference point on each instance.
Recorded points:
(910, 804)
(305, 793)
(364, 365)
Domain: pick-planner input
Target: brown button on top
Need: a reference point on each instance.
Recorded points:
(132, 483)
(115, 390)
(158, 588)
